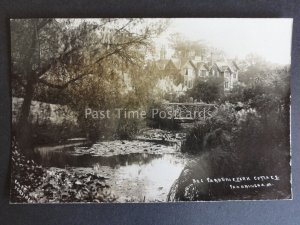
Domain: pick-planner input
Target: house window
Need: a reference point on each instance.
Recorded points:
(226, 84)
(203, 72)
(234, 75)
(185, 82)
(186, 71)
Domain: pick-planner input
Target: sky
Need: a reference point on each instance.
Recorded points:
(269, 38)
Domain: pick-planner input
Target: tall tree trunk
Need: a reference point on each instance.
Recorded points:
(23, 132)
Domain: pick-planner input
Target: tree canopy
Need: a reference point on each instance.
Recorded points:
(50, 57)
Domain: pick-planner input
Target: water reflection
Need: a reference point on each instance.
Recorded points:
(133, 177)
(148, 182)
(63, 158)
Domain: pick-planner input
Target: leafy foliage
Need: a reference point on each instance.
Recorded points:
(248, 138)
(69, 186)
(206, 91)
(33, 184)
(53, 58)
(26, 175)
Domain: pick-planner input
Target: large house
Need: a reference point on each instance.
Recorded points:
(186, 72)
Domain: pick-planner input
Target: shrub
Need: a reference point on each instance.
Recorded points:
(157, 122)
(237, 143)
(127, 128)
(32, 183)
(50, 134)
(207, 134)
(26, 175)
(206, 91)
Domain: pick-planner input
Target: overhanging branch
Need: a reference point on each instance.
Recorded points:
(66, 84)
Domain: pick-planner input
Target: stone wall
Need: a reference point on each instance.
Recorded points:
(41, 112)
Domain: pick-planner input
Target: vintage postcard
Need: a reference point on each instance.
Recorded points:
(150, 110)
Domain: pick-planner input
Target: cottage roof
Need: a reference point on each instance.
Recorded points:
(188, 62)
(202, 65)
(171, 65)
(177, 63)
(234, 65)
(222, 66)
(191, 62)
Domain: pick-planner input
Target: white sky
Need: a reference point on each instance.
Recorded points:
(269, 38)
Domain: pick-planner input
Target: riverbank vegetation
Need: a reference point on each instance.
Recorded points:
(248, 136)
(80, 68)
(77, 64)
(31, 183)
(61, 67)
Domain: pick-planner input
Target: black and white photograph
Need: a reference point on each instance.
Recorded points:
(144, 110)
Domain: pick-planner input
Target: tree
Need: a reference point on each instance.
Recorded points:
(207, 91)
(184, 48)
(57, 53)
(255, 69)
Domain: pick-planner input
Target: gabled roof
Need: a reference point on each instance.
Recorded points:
(234, 65)
(190, 62)
(202, 65)
(177, 63)
(216, 66)
(171, 64)
(222, 66)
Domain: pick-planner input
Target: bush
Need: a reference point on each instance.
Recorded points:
(237, 143)
(26, 175)
(31, 183)
(127, 129)
(206, 91)
(207, 134)
(51, 134)
(157, 122)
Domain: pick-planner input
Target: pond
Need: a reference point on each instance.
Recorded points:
(138, 177)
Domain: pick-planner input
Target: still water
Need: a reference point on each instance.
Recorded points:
(134, 177)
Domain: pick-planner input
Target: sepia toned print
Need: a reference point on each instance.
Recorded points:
(150, 110)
